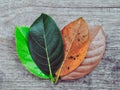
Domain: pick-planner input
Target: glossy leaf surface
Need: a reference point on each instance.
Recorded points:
(46, 44)
(21, 38)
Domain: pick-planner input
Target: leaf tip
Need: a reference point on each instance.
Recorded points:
(82, 18)
(44, 14)
(16, 27)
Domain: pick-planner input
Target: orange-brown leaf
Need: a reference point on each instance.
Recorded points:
(76, 42)
(93, 56)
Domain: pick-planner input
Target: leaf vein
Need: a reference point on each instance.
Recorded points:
(37, 42)
(39, 54)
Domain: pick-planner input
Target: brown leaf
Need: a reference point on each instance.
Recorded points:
(94, 54)
(76, 42)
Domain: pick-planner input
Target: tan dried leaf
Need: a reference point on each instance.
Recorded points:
(94, 54)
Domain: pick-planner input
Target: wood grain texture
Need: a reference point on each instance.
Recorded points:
(13, 76)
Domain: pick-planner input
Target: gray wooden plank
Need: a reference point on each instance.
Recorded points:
(13, 76)
(61, 3)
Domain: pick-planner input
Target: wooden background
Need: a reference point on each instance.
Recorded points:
(13, 76)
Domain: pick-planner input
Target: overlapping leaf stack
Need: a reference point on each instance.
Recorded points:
(49, 54)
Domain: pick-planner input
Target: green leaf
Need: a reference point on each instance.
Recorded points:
(21, 38)
(46, 45)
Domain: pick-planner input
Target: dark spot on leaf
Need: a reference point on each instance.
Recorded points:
(68, 68)
(84, 36)
(71, 57)
(78, 39)
(77, 55)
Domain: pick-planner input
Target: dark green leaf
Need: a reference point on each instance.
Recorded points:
(46, 45)
(21, 37)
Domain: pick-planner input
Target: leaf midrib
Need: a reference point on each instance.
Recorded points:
(48, 59)
(66, 55)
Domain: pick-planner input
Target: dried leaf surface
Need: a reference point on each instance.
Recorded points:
(76, 42)
(94, 54)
